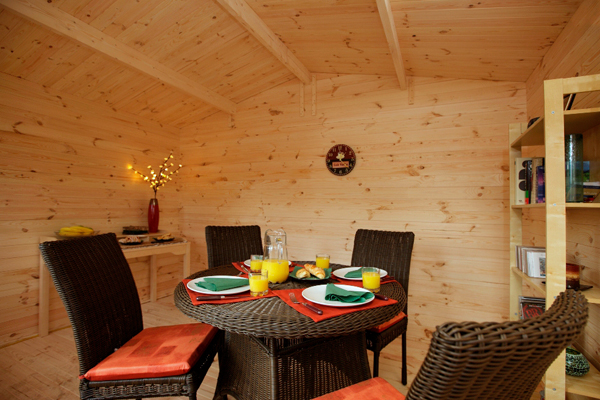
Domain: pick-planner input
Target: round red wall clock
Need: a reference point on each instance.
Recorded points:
(340, 160)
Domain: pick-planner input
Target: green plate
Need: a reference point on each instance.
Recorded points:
(312, 277)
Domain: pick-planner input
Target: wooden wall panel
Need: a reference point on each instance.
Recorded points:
(576, 52)
(438, 167)
(63, 161)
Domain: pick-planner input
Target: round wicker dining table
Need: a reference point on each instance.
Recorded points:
(271, 351)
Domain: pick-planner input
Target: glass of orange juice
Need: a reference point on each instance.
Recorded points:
(322, 260)
(256, 261)
(371, 279)
(259, 282)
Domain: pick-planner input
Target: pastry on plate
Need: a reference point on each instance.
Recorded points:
(314, 270)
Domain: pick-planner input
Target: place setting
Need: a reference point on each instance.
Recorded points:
(329, 300)
(221, 289)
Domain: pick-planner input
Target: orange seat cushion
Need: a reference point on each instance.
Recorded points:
(156, 352)
(387, 324)
(371, 389)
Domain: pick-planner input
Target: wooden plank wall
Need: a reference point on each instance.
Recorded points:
(432, 160)
(64, 161)
(575, 52)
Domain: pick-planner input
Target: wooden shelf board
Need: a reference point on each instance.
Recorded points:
(592, 295)
(576, 121)
(567, 205)
(587, 385)
(535, 283)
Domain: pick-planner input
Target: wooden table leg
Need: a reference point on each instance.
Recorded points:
(153, 278)
(44, 301)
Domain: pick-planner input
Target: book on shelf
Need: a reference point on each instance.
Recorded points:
(534, 265)
(541, 184)
(521, 193)
(531, 306)
(536, 162)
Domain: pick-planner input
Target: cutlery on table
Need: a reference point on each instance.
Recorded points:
(220, 297)
(381, 297)
(309, 306)
(244, 268)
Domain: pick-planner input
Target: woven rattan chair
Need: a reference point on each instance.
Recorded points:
(118, 359)
(392, 252)
(484, 361)
(227, 244)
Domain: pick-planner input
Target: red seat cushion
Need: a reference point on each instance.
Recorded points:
(371, 389)
(156, 352)
(387, 324)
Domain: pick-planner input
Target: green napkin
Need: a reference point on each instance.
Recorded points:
(336, 293)
(218, 284)
(354, 274)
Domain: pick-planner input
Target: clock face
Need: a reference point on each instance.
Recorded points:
(340, 160)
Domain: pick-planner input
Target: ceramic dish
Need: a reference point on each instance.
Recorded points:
(163, 240)
(192, 286)
(343, 271)
(132, 240)
(316, 294)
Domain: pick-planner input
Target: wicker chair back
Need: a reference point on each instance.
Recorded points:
(391, 251)
(226, 244)
(95, 283)
(498, 360)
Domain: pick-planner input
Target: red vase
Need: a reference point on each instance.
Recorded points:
(153, 216)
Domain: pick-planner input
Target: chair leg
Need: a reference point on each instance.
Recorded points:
(404, 372)
(375, 364)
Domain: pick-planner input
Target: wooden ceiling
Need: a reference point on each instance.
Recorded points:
(178, 61)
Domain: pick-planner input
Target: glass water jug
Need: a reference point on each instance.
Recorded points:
(276, 256)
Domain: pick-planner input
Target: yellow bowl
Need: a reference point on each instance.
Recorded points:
(75, 235)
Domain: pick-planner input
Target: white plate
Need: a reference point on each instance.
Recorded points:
(316, 294)
(247, 263)
(192, 286)
(343, 271)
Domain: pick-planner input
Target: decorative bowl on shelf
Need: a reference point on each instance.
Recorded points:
(575, 363)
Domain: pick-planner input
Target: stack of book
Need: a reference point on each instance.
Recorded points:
(531, 260)
(530, 180)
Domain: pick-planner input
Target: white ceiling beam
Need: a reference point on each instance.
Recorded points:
(387, 19)
(245, 15)
(51, 17)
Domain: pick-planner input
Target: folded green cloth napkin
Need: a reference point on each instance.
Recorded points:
(218, 284)
(354, 274)
(336, 293)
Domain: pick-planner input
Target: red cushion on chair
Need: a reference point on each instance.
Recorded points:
(155, 352)
(371, 389)
(387, 324)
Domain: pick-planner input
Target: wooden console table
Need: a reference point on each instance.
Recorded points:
(143, 250)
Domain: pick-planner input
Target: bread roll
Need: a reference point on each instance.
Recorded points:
(314, 270)
(302, 273)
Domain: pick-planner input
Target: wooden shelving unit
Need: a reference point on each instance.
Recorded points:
(549, 131)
